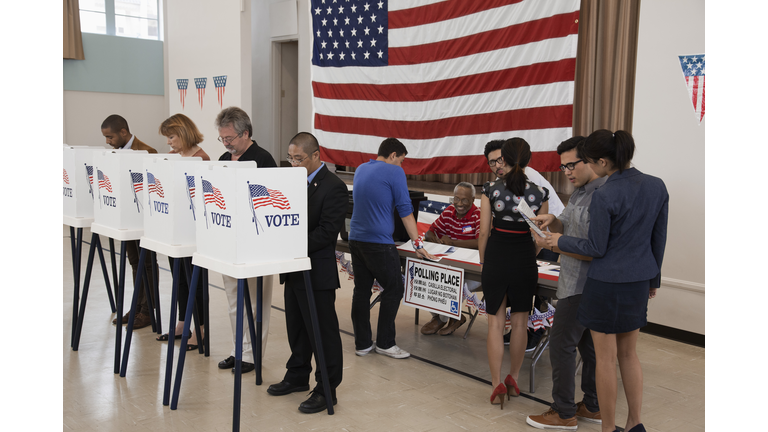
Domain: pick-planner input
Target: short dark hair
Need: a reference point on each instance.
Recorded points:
(392, 145)
(115, 123)
(492, 146)
(306, 141)
(569, 144)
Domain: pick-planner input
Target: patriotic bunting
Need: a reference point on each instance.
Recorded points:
(693, 72)
(200, 86)
(182, 85)
(221, 83)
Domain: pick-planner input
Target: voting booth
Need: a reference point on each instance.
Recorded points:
(248, 215)
(78, 187)
(169, 187)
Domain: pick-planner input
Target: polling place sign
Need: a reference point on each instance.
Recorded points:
(434, 287)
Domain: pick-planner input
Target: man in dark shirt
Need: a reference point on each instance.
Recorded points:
(235, 132)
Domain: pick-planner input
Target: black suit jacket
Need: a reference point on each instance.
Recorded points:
(327, 208)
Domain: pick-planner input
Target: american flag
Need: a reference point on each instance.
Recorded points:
(153, 185)
(221, 84)
(200, 86)
(693, 71)
(66, 177)
(212, 194)
(444, 78)
(182, 85)
(191, 185)
(262, 196)
(103, 181)
(138, 182)
(89, 170)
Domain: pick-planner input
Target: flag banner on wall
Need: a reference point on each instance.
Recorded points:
(221, 84)
(200, 86)
(182, 85)
(444, 78)
(693, 71)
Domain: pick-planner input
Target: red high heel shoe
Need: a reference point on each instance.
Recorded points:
(499, 393)
(512, 389)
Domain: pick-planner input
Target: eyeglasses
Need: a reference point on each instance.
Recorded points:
(494, 162)
(296, 161)
(457, 200)
(228, 140)
(570, 166)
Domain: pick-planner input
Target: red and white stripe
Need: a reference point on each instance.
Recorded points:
(695, 85)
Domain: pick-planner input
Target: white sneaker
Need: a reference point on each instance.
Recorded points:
(363, 352)
(394, 352)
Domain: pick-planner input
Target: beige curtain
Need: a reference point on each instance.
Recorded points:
(73, 39)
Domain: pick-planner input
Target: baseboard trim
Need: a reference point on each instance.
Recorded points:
(674, 334)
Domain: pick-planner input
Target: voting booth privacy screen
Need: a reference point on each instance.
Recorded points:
(247, 215)
(118, 182)
(169, 190)
(79, 192)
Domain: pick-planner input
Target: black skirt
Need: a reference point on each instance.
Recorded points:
(509, 269)
(614, 307)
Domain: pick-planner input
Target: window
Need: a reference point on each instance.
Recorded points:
(128, 18)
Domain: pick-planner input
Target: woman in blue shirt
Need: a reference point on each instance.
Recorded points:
(627, 236)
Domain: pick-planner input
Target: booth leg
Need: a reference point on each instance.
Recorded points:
(132, 315)
(171, 332)
(207, 337)
(238, 355)
(112, 254)
(104, 270)
(320, 357)
(256, 337)
(76, 242)
(156, 280)
(184, 338)
(86, 285)
(120, 296)
(193, 299)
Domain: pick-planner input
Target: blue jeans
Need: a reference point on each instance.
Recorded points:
(381, 262)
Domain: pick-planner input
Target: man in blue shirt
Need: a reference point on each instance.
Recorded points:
(380, 188)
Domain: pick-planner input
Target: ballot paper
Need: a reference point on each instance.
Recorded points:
(528, 214)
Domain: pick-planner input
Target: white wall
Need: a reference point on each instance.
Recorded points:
(670, 145)
(85, 111)
(207, 39)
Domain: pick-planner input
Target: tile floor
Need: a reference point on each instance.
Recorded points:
(377, 394)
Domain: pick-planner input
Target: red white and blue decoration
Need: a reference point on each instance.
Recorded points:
(221, 84)
(182, 84)
(200, 86)
(66, 177)
(444, 78)
(191, 193)
(137, 180)
(89, 173)
(693, 71)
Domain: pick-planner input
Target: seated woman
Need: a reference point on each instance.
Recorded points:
(183, 138)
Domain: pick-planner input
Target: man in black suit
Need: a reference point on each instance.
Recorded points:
(327, 208)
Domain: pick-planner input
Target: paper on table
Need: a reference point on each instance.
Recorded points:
(441, 251)
(528, 214)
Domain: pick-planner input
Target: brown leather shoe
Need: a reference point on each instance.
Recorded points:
(141, 320)
(125, 319)
(432, 326)
(452, 326)
(584, 413)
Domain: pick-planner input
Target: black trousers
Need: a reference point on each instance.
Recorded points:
(567, 335)
(132, 252)
(301, 337)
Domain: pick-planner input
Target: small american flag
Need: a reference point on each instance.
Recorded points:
(693, 71)
(89, 170)
(66, 177)
(263, 196)
(138, 182)
(103, 181)
(212, 195)
(191, 186)
(153, 185)
(182, 85)
(200, 86)
(221, 84)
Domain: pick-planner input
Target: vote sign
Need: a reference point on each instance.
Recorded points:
(119, 189)
(250, 215)
(77, 181)
(434, 287)
(169, 202)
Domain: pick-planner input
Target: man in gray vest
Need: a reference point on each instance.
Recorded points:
(567, 334)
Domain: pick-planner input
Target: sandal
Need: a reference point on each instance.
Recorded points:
(191, 347)
(164, 337)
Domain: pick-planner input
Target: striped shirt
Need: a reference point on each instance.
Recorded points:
(466, 228)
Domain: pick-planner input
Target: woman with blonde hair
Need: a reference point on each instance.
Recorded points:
(184, 139)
